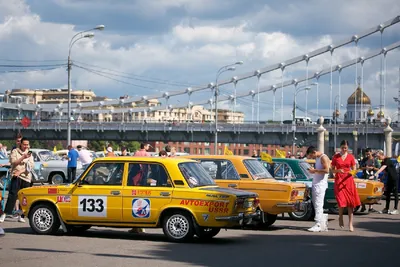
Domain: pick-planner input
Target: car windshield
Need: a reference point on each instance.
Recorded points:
(195, 174)
(45, 155)
(304, 166)
(256, 169)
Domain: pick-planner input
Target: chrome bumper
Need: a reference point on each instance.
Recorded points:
(241, 218)
(332, 201)
(374, 197)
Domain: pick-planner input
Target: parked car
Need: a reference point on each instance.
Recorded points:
(54, 168)
(297, 170)
(247, 173)
(174, 194)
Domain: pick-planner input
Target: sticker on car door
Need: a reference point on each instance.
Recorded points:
(92, 206)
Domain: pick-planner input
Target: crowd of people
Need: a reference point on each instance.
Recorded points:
(341, 166)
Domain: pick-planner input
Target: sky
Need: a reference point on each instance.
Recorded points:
(150, 47)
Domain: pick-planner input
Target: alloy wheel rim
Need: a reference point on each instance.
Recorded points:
(57, 179)
(43, 219)
(178, 226)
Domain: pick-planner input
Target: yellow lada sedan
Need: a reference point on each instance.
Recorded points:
(249, 174)
(175, 194)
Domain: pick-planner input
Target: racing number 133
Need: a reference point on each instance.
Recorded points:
(92, 206)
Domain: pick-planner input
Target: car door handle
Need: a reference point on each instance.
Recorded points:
(232, 185)
(115, 193)
(165, 194)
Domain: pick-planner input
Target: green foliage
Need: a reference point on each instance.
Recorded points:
(59, 146)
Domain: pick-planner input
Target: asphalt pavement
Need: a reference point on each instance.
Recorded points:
(375, 242)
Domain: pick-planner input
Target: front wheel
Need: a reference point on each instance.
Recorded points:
(57, 178)
(269, 219)
(178, 226)
(207, 233)
(43, 219)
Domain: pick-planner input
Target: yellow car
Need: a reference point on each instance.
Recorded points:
(249, 174)
(370, 192)
(176, 194)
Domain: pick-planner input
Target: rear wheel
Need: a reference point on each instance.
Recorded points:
(306, 215)
(207, 233)
(178, 226)
(43, 219)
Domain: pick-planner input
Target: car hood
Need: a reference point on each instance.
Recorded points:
(238, 193)
(48, 189)
(263, 182)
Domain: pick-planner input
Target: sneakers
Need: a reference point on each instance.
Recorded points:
(394, 212)
(137, 231)
(20, 219)
(384, 211)
(2, 217)
(372, 210)
(315, 228)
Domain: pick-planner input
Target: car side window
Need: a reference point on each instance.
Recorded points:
(220, 169)
(105, 173)
(282, 170)
(152, 174)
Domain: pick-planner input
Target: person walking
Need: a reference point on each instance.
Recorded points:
(345, 189)
(21, 165)
(369, 165)
(72, 163)
(319, 186)
(84, 156)
(392, 182)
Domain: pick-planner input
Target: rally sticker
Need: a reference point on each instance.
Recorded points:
(63, 199)
(205, 217)
(361, 185)
(141, 208)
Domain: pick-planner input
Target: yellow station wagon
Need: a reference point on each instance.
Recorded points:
(247, 173)
(173, 193)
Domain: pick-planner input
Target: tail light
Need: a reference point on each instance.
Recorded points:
(294, 194)
(239, 203)
(246, 203)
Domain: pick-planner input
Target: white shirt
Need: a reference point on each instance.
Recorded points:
(320, 178)
(85, 156)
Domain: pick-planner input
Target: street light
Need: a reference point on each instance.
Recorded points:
(335, 115)
(296, 91)
(370, 115)
(223, 69)
(71, 43)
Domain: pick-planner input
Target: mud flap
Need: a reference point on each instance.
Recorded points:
(63, 226)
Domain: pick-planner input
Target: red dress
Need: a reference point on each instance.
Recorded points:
(345, 188)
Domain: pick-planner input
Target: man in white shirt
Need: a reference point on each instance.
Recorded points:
(319, 186)
(84, 156)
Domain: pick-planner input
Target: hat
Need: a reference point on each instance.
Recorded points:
(109, 149)
(79, 146)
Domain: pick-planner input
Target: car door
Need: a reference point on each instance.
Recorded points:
(148, 189)
(222, 171)
(98, 197)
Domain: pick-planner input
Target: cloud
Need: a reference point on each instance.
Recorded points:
(185, 42)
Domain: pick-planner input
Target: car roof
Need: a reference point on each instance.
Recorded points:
(149, 159)
(217, 157)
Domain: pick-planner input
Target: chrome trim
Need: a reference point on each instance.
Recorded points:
(333, 201)
(274, 190)
(286, 205)
(375, 197)
(238, 218)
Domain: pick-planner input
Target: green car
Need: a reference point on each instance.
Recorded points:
(296, 170)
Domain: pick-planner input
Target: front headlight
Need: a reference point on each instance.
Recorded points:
(45, 165)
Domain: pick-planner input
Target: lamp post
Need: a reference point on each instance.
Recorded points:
(335, 115)
(223, 69)
(370, 115)
(296, 91)
(71, 43)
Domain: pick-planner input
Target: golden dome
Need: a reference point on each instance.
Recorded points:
(357, 94)
(370, 112)
(380, 115)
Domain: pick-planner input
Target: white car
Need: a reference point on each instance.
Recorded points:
(54, 168)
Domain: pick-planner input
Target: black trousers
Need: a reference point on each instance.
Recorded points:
(16, 185)
(392, 187)
(71, 174)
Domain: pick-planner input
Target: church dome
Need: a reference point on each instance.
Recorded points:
(360, 97)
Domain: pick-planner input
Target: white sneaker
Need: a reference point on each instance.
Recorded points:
(20, 219)
(324, 227)
(394, 212)
(2, 217)
(315, 228)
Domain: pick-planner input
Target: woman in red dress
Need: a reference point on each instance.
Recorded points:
(345, 188)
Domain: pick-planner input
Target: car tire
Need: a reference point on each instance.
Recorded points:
(178, 226)
(207, 233)
(43, 219)
(57, 178)
(306, 215)
(269, 219)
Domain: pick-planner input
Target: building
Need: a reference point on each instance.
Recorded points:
(358, 108)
